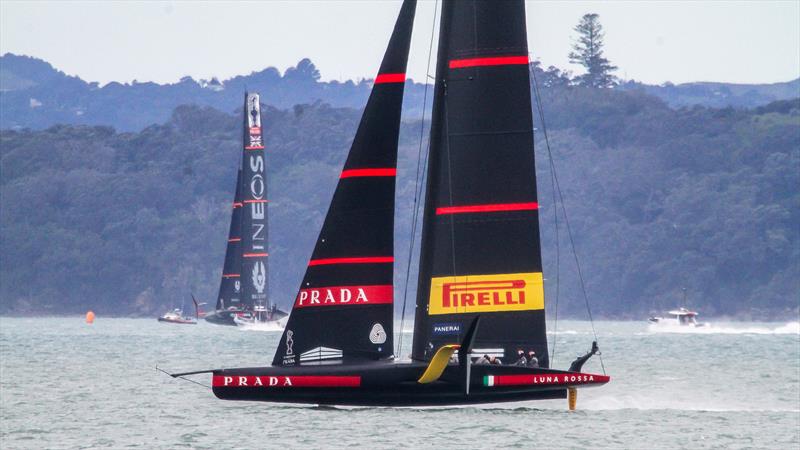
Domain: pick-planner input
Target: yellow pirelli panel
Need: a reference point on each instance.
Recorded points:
(486, 293)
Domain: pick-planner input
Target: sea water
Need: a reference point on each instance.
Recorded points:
(66, 384)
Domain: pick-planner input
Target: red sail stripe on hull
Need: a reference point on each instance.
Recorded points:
(530, 206)
(358, 260)
(352, 173)
(254, 255)
(566, 379)
(284, 381)
(489, 61)
(344, 296)
(390, 78)
(256, 201)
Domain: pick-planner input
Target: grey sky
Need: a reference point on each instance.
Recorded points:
(650, 41)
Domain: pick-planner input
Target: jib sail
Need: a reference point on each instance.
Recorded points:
(480, 249)
(254, 208)
(230, 285)
(344, 308)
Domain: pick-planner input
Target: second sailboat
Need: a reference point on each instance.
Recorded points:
(243, 294)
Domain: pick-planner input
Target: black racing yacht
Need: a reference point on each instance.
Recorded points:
(243, 295)
(480, 293)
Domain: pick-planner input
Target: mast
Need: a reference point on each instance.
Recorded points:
(344, 308)
(480, 250)
(253, 186)
(230, 284)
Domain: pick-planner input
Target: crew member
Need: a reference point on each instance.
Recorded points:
(533, 361)
(483, 360)
(521, 360)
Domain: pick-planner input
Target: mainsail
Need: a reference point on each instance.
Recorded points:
(480, 251)
(254, 208)
(344, 308)
(230, 285)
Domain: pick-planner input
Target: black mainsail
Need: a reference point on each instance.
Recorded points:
(344, 308)
(253, 187)
(230, 284)
(243, 295)
(480, 250)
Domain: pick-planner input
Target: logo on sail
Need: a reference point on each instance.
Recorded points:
(288, 356)
(446, 329)
(377, 335)
(237, 285)
(254, 122)
(486, 293)
(344, 295)
(259, 277)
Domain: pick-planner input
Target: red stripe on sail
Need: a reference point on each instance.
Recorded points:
(234, 239)
(237, 205)
(488, 61)
(254, 255)
(390, 78)
(359, 260)
(260, 147)
(344, 296)
(267, 381)
(230, 275)
(351, 173)
(531, 206)
(256, 201)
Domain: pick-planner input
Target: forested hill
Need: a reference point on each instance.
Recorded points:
(34, 94)
(658, 199)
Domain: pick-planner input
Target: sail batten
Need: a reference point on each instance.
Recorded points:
(345, 301)
(489, 61)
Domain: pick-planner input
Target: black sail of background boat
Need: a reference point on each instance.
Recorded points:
(480, 300)
(243, 293)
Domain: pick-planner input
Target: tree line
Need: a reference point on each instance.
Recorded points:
(659, 199)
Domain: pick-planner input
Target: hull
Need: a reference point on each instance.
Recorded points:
(178, 321)
(221, 318)
(672, 322)
(395, 384)
(235, 318)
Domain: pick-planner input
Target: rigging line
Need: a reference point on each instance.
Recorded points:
(449, 179)
(569, 229)
(538, 99)
(417, 182)
(183, 378)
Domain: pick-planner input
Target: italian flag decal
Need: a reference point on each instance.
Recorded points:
(488, 380)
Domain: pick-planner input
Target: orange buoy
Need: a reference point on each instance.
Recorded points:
(90, 317)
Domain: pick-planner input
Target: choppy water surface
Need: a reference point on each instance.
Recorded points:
(65, 384)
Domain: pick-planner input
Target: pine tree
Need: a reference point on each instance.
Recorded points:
(588, 52)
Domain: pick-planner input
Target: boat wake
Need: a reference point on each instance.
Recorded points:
(789, 328)
(264, 326)
(657, 403)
